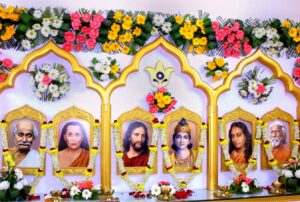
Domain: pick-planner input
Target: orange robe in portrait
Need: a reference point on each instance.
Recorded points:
(238, 157)
(82, 160)
(139, 160)
(281, 153)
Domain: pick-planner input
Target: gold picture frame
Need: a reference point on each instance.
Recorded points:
(76, 115)
(136, 114)
(238, 114)
(29, 113)
(193, 119)
(280, 115)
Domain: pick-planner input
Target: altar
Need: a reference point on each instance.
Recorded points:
(149, 102)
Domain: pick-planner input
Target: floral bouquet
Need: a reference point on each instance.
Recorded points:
(291, 176)
(106, 69)
(255, 87)
(296, 71)
(160, 101)
(51, 82)
(163, 188)
(6, 65)
(217, 69)
(244, 185)
(85, 191)
(13, 185)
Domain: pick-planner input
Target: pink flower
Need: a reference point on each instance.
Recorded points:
(225, 45)
(86, 17)
(248, 180)
(215, 26)
(164, 183)
(94, 24)
(69, 36)
(67, 46)
(247, 49)
(75, 15)
(7, 63)
(260, 88)
(81, 38)
(220, 35)
(228, 52)
(167, 110)
(46, 80)
(227, 30)
(98, 17)
(298, 60)
(296, 72)
(162, 89)
(153, 109)
(78, 47)
(76, 25)
(2, 77)
(239, 34)
(150, 98)
(85, 30)
(94, 33)
(236, 46)
(231, 38)
(173, 102)
(236, 26)
(236, 53)
(91, 43)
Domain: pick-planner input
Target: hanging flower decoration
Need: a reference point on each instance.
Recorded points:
(255, 87)
(217, 69)
(6, 65)
(296, 71)
(50, 82)
(160, 101)
(105, 69)
(244, 185)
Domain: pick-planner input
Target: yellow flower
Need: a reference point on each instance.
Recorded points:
(114, 69)
(223, 142)
(125, 50)
(296, 39)
(106, 47)
(199, 23)
(88, 172)
(114, 46)
(228, 163)
(286, 23)
(10, 9)
(191, 49)
(189, 35)
(14, 17)
(194, 28)
(216, 78)
(224, 74)
(128, 37)
(137, 31)
(203, 41)
(165, 148)
(196, 41)
(293, 32)
(298, 49)
(115, 27)
(167, 99)
(158, 95)
(126, 25)
(140, 19)
(121, 38)
(200, 50)
(182, 185)
(178, 19)
(220, 62)
(211, 65)
(161, 103)
(112, 35)
(118, 15)
(127, 19)
(0, 26)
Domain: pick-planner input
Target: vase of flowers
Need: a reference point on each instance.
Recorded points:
(163, 190)
(244, 185)
(290, 177)
(50, 82)
(296, 71)
(85, 191)
(217, 69)
(105, 69)
(255, 87)
(13, 185)
(160, 101)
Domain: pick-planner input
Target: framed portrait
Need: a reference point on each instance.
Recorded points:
(74, 136)
(183, 133)
(281, 134)
(23, 138)
(136, 135)
(240, 132)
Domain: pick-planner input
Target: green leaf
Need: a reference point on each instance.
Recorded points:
(94, 61)
(22, 28)
(24, 17)
(13, 193)
(65, 27)
(97, 75)
(2, 195)
(207, 22)
(147, 27)
(110, 15)
(91, 68)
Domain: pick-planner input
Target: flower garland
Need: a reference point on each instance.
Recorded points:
(170, 168)
(106, 69)
(225, 148)
(254, 87)
(216, 69)
(51, 82)
(267, 145)
(296, 71)
(93, 153)
(42, 153)
(119, 154)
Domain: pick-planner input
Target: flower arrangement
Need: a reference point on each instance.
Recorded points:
(51, 82)
(217, 69)
(106, 69)
(160, 101)
(13, 185)
(85, 191)
(6, 65)
(233, 39)
(244, 185)
(291, 34)
(296, 71)
(255, 87)
(291, 176)
(163, 187)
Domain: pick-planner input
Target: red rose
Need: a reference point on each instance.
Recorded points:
(296, 72)
(7, 63)
(67, 46)
(69, 36)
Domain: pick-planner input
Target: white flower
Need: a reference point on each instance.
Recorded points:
(271, 32)
(173, 190)
(54, 73)
(105, 69)
(37, 13)
(45, 31)
(56, 22)
(243, 93)
(245, 187)
(26, 44)
(38, 94)
(297, 174)
(253, 82)
(86, 194)
(97, 67)
(107, 61)
(53, 32)
(255, 183)
(63, 78)
(37, 27)
(158, 20)
(288, 173)
(254, 101)
(74, 191)
(19, 174)
(154, 31)
(252, 88)
(56, 94)
(97, 187)
(278, 44)
(46, 22)
(46, 67)
(42, 87)
(39, 76)
(32, 81)
(4, 185)
(167, 27)
(259, 32)
(19, 185)
(31, 34)
(104, 77)
(155, 190)
(53, 88)
(256, 95)
(63, 89)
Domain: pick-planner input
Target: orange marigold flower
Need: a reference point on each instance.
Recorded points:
(118, 15)
(293, 32)
(125, 50)
(178, 19)
(137, 31)
(285, 23)
(200, 50)
(106, 47)
(140, 19)
(211, 65)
